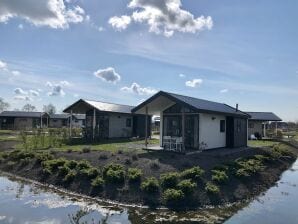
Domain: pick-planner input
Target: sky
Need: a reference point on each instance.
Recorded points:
(124, 51)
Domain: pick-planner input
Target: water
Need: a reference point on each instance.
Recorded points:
(26, 203)
(278, 205)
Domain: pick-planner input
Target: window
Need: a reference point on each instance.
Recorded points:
(238, 126)
(222, 125)
(128, 122)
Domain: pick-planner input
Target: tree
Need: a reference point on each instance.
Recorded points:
(28, 108)
(50, 109)
(3, 105)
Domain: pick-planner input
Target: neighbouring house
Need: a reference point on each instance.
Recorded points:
(196, 123)
(108, 120)
(59, 120)
(259, 121)
(20, 120)
(155, 123)
(78, 120)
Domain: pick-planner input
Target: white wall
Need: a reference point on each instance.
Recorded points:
(209, 132)
(117, 126)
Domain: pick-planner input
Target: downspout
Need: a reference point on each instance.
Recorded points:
(146, 128)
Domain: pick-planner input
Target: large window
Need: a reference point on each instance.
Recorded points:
(128, 122)
(172, 126)
(222, 125)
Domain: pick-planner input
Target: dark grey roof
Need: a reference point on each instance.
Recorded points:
(101, 106)
(79, 116)
(264, 116)
(198, 104)
(59, 116)
(21, 114)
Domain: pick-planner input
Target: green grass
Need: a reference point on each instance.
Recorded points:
(261, 143)
(6, 132)
(8, 138)
(111, 145)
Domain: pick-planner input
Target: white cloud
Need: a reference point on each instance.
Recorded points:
(108, 74)
(224, 91)
(137, 89)
(181, 75)
(194, 83)
(33, 92)
(51, 13)
(15, 73)
(21, 26)
(57, 88)
(120, 23)
(163, 17)
(3, 65)
(20, 91)
(22, 97)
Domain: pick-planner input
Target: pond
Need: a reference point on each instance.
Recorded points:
(24, 202)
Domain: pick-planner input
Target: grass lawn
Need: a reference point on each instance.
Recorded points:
(111, 145)
(261, 143)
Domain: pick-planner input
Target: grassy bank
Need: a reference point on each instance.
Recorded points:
(155, 178)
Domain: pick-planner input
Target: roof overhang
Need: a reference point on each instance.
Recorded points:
(79, 107)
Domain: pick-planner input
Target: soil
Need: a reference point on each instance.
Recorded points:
(156, 163)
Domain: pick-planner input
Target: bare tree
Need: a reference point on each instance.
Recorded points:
(29, 108)
(50, 108)
(3, 105)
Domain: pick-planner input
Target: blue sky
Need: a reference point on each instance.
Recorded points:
(123, 51)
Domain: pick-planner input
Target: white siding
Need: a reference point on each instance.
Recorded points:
(209, 132)
(117, 126)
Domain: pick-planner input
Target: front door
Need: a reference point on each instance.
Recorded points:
(190, 132)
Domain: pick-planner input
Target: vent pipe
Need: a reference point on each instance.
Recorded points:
(236, 107)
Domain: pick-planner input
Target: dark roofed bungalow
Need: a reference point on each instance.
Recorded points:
(192, 123)
(108, 120)
(259, 121)
(21, 120)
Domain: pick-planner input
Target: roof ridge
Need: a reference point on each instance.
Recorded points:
(108, 102)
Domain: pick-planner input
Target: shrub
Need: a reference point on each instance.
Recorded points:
(86, 150)
(262, 158)
(249, 167)
(135, 157)
(69, 150)
(53, 164)
(83, 165)
(114, 173)
(103, 156)
(25, 161)
(72, 164)
(211, 188)
(97, 183)
(219, 176)
(134, 174)
(150, 185)
(277, 152)
(187, 186)
(10, 164)
(44, 157)
(127, 162)
(18, 155)
(92, 172)
(70, 176)
(63, 170)
(120, 151)
(173, 196)
(169, 180)
(194, 173)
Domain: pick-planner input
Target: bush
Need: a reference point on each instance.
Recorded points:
(83, 165)
(17, 155)
(72, 164)
(194, 173)
(169, 180)
(70, 176)
(86, 150)
(63, 170)
(173, 196)
(134, 174)
(127, 162)
(219, 176)
(135, 157)
(103, 156)
(150, 185)
(211, 188)
(97, 183)
(277, 152)
(92, 172)
(51, 165)
(249, 167)
(41, 157)
(187, 186)
(114, 173)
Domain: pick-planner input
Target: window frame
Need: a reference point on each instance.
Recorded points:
(222, 126)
